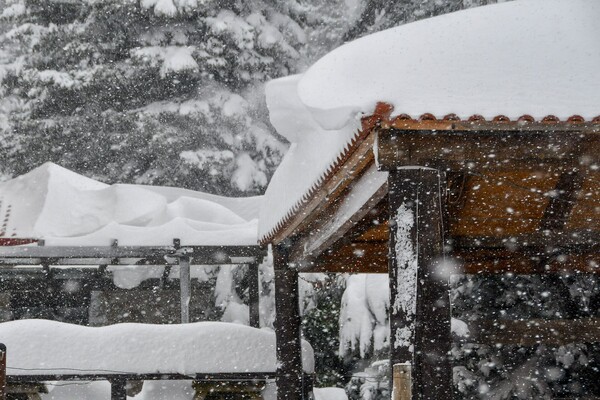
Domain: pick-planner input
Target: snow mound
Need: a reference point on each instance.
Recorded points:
(330, 393)
(534, 57)
(41, 347)
(65, 208)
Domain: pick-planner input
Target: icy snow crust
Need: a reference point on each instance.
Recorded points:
(536, 57)
(65, 208)
(41, 347)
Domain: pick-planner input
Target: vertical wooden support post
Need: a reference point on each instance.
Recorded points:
(402, 382)
(253, 295)
(3, 382)
(287, 327)
(118, 390)
(184, 286)
(419, 296)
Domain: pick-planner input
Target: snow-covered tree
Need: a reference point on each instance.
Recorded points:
(156, 92)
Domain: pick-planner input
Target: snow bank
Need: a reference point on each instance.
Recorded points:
(65, 208)
(48, 347)
(536, 57)
(330, 393)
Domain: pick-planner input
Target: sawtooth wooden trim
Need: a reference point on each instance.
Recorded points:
(339, 179)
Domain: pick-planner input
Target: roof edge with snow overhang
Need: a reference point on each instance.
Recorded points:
(552, 82)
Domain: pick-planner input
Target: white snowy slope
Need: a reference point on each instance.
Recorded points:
(65, 208)
(524, 57)
(41, 347)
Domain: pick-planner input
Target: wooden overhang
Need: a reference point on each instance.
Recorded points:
(522, 196)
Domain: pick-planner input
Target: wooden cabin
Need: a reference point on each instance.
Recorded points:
(468, 159)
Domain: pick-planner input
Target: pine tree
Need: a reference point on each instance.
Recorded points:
(155, 92)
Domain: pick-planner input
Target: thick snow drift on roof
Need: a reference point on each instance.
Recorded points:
(309, 157)
(536, 57)
(65, 208)
(41, 347)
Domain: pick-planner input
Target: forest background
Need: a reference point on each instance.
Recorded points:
(171, 92)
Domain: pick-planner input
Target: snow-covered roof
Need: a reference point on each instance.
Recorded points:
(67, 209)
(532, 58)
(41, 347)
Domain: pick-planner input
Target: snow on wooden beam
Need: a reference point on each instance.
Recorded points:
(419, 293)
(92, 255)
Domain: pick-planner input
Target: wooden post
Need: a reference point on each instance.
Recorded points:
(419, 295)
(2, 371)
(117, 389)
(184, 286)
(401, 389)
(287, 327)
(253, 295)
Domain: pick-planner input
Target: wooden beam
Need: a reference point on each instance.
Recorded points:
(361, 257)
(490, 126)
(481, 150)
(335, 222)
(419, 292)
(562, 201)
(253, 295)
(287, 327)
(557, 332)
(97, 255)
(539, 242)
(3, 380)
(184, 288)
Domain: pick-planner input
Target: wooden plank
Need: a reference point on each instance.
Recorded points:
(401, 389)
(541, 242)
(287, 327)
(96, 255)
(476, 151)
(3, 380)
(562, 201)
(586, 211)
(253, 296)
(490, 126)
(361, 257)
(419, 295)
(205, 377)
(533, 332)
(184, 289)
(372, 257)
(354, 204)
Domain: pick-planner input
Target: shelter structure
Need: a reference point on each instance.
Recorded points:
(53, 217)
(466, 143)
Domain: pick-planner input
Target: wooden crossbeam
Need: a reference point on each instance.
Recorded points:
(533, 332)
(96, 255)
